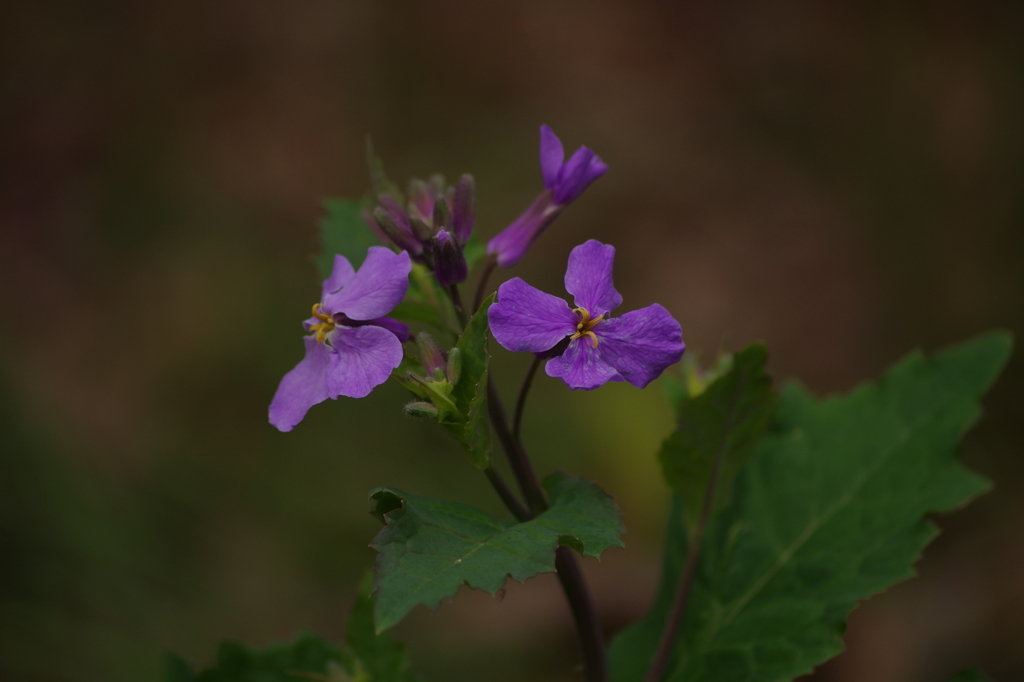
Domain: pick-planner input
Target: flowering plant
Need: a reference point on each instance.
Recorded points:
(786, 510)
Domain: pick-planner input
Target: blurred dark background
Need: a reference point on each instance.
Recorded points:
(842, 180)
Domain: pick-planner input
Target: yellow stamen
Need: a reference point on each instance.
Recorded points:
(585, 325)
(324, 327)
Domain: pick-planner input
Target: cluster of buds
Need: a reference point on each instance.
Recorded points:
(442, 373)
(434, 227)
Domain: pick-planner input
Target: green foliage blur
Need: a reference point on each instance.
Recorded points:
(839, 181)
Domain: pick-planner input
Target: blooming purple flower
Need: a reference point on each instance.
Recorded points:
(563, 182)
(352, 347)
(635, 347)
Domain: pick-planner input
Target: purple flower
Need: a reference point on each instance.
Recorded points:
(352, 347)
(563, 181)
(636, 347)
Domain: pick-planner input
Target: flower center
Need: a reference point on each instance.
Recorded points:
(326, 325)
(585, 325)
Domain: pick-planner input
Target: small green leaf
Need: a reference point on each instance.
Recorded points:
(343, 232)
(472, 428)
(830, 509)
(306, 657)
(366, 656)
(717, 430)
(428, 548)
(472, 346)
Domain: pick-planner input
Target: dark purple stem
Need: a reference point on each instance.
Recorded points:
(595, 662)
(507, 496)
(517, 418)
(485, 276)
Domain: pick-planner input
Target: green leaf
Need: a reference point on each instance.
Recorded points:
(721, 424)
(306, 657)
(830, 509)
(470, 393)
(366, 656)
(429, 548)
(973, 675)
(379, 655)
(343, 232)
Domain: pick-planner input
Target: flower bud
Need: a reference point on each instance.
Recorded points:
(442, 214)
(449, 262)
(421, 409)
(454, 369)
(394, 222)
(421, 230)
(464, 208)
(430, 355)
(421, 200)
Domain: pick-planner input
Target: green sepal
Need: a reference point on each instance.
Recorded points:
(422, 410)
(831, 508)
(440, 394)
(429, 548)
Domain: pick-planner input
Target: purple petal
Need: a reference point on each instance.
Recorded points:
(512, 243)
(362, 360)
(551, 156)
(576, 175)
(376, 289)
(399, 329)
(340, 276)
(582, 366)
(589, 278)
(641, 343)
(526, 319)
(302, 388)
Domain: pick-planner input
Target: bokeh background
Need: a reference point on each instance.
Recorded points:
(842, 180)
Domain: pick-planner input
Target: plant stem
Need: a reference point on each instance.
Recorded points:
(517, 459)
(595, 663)
(517, 419)
(675, 619)
(481, 287)
(507, 496)
(453, 291)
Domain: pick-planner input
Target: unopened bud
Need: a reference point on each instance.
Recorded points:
(454, 370)
(430, 355)
(421, 409)
(394, 222)
(449, 261)
(421, 230)
(464, 208)
(442, 214)
(421, 200)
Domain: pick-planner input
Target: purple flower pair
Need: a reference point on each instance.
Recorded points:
(352, 346)
(563, 182)
(635, 347)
